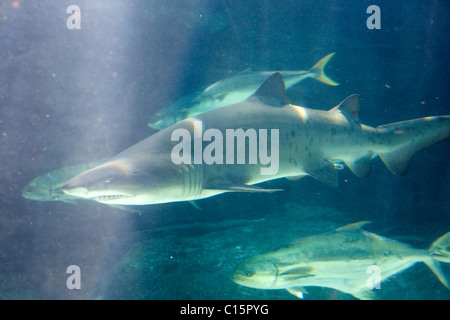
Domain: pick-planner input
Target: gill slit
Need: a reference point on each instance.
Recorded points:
(276, 276)
(193, 180)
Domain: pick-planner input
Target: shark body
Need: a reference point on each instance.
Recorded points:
(344, 260)
(310, 142)
(232, 90)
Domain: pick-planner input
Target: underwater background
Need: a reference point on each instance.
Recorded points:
(70, 97)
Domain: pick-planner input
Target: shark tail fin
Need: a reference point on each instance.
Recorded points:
(440, 252)
(404, 139)
(317, 72)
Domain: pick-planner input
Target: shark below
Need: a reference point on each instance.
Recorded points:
(339, 260)
(308, 142)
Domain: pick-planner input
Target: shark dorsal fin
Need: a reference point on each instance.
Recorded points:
(248, 70)
(272, 92)
(353, 226)
(349, 107)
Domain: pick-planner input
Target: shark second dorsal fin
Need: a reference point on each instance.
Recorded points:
(349, 107)
(272, 92)
(248, 70)
(353, 226)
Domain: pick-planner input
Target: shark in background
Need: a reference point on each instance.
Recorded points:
(340, 260)
(232, 90)
(309, 142)
(47, 187)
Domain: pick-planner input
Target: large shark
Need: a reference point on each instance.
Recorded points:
(350, 260)
(232, 90)
(183, 163)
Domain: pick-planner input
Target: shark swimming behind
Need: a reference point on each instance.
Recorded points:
(233, 148)
(47, 187)
(344, 260)
(232, 90)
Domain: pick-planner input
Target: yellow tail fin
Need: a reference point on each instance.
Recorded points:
(440, 252)
(318, 73)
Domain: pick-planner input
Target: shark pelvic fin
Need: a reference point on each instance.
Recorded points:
(362, 166)
(324, 171)
(317, 72)
(272, 92)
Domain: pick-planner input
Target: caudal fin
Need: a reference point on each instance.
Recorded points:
(440, 252)
(401, 140)
(440, 249)
(317, 72)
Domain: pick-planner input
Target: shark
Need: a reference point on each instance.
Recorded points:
(169, 167)
(349, 259)
(232, 90)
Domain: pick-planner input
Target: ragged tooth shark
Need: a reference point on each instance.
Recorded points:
(232, 90)
(293, 142)
(344, 260)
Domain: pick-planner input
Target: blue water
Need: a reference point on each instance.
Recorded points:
(69, 97)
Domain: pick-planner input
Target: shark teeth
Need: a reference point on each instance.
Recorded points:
(108, 197)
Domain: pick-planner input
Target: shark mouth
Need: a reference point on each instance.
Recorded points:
(107, 198)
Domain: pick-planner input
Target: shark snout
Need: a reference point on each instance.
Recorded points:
(74, 189)
(78, 192)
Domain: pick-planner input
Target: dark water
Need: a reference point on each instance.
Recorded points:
(75, 96)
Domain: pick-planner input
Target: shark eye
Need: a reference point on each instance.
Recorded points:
(109, 179)
(249, 273)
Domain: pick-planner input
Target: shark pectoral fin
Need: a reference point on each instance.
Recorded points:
(324, 171)
(362, 166)
(297, 291)
(227, 185)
